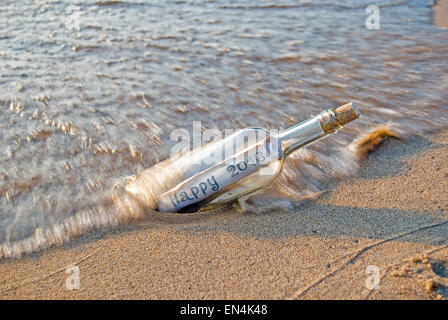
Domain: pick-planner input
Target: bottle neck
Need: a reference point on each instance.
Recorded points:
(302, 134)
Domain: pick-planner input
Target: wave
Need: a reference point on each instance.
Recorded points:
(317, 4)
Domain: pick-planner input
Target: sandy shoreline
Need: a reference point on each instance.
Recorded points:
(390, 215)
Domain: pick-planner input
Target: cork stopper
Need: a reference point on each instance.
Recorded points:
(346, 113)
(334, 119)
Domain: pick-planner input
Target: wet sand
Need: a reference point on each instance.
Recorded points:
(393, 214)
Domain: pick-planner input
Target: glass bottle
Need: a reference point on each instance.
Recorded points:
(237, 165)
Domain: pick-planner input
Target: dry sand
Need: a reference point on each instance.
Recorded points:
(441, 14)
(393, 215)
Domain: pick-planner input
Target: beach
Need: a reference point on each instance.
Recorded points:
(96, 96)
(393, 215)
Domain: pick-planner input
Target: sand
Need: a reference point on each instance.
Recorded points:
(393, 215)
(441, 14)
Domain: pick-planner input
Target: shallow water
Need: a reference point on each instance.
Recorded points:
(90, 92)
